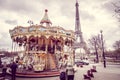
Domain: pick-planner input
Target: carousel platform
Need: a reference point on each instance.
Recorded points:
(31, 74)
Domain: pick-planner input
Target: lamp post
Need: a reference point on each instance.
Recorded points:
(103, 53)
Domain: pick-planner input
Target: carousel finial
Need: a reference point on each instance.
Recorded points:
(46, 10)
(45, 19)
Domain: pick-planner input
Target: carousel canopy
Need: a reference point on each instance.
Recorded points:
(41, 30)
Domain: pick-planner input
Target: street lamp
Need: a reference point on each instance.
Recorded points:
(103, 53)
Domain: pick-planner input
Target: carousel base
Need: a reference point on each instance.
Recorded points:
(41, 74)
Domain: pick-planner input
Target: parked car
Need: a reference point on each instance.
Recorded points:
(82, 62)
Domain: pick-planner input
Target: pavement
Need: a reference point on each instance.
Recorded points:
(111, 72)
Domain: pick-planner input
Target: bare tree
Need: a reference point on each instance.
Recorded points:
(116, 45)
(95, 42)
(117, 9)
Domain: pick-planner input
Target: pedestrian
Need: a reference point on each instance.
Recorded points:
(4, 69)
(62, 67)
(94, 60)
(70, 72)
(62, 72)
(13, 70)
(0, 63)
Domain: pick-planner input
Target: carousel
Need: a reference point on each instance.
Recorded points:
(41, 46)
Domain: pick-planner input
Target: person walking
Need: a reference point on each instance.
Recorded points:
(62, 74)
(70, 72)
(13, 70)
(4, 69)
(0, 62)
(62, 67)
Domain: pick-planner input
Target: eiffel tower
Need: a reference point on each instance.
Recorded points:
(79, 42)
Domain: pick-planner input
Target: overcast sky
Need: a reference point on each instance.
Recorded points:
(95, 15)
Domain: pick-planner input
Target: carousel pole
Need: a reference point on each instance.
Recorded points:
(12, 50)
(56, 54)
(46, 60)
